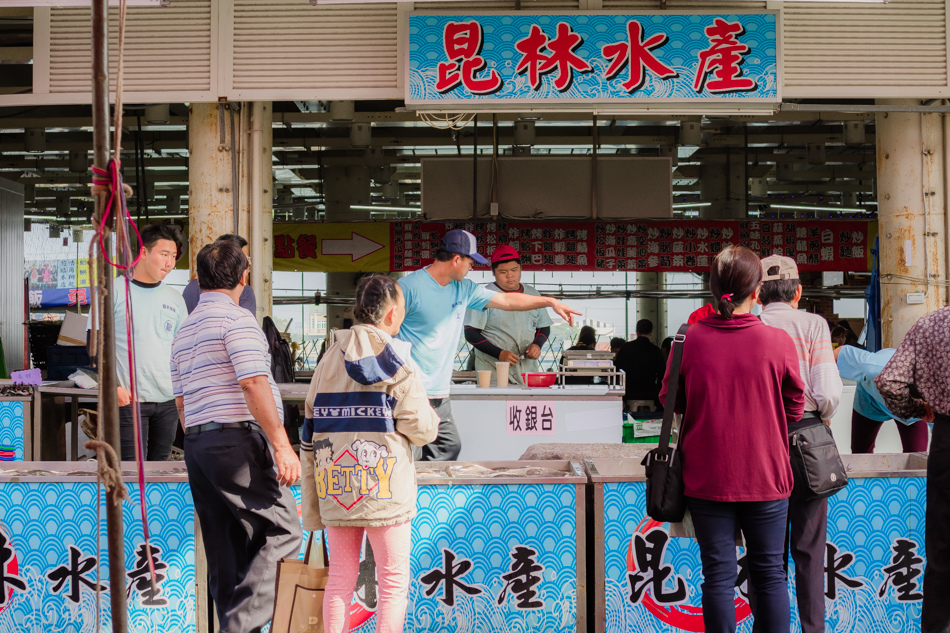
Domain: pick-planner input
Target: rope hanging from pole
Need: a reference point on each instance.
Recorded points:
(109, 182)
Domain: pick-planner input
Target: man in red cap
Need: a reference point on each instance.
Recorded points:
(501, 335)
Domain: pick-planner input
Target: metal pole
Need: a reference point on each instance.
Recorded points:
(266, 298)
(108, 396)
(256, 206)
(474, 166)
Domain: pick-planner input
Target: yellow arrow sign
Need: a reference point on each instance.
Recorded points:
(343, 247)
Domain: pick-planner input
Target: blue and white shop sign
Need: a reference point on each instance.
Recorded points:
(598, 58)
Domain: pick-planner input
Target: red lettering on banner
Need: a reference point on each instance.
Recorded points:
(562, 57)
(722, 59)
(284, 247)
(463, 43)
(307, 247)
(531, 56)
(636, 56)
(78, 295)
(675, 245)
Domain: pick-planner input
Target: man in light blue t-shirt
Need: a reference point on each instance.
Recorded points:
(157, 313)
(437, 297)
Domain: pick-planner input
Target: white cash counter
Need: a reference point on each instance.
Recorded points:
(499, 424)
(582, 413)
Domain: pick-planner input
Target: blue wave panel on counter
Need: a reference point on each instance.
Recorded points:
(11, 431)
(50, 530)
(875, 528)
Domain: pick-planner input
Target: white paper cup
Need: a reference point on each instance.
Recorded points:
(501, 369)
(484, 378)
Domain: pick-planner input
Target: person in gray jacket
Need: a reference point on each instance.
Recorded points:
(365, 406)
(192, 293)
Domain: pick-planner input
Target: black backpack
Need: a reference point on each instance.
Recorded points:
(282, 368)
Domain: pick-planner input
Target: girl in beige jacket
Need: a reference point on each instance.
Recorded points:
(365, 405)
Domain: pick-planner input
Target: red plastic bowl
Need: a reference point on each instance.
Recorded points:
(539, 380)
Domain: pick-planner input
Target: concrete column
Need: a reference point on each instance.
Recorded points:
(344, 186)
(722, 183)
(210, 201)
(647, 308)
(911, 155)
(340, 285)
(211, 194)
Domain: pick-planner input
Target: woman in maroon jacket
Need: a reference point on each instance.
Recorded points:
(739, 389)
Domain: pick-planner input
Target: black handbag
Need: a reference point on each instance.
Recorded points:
(666, 493)
(816, 464)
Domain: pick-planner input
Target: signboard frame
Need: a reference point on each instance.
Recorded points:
(599, 104)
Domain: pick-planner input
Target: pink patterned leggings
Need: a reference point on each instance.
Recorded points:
(391, 546)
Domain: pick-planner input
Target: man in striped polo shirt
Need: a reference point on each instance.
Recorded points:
(781, 291)
(239, 459)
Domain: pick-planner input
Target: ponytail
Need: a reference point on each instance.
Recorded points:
(733, 277)
(726, 306)
(374, 294)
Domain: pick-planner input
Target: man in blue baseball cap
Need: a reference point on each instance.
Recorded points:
(436, 299)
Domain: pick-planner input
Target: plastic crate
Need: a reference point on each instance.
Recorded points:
(63, 360)
(40, 336)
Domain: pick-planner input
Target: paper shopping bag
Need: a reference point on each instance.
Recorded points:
(299, 604)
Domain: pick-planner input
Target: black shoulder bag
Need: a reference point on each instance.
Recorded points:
(816, 464)
(666, 496)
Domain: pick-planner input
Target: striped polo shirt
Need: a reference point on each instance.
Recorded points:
(218, 345)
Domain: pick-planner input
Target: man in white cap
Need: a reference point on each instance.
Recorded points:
(515, 338)
(436, 299)
(781, 291)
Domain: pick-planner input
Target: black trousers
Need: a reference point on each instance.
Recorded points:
(248, 523)
(159, 424)
(805, 539)
(448, 444)
(935, 617)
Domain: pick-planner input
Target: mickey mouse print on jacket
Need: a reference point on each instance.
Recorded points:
(365, 405)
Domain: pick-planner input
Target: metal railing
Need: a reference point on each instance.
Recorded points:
(550, 354)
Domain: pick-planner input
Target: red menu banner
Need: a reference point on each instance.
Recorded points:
(652, 246)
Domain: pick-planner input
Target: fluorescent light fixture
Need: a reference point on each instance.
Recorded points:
(800, 207)
(365, 207)
(691, 205)
(82, 3)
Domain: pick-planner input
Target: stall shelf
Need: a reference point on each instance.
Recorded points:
(646, 580)
(51, 413)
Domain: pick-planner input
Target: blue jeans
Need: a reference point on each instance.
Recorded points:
(763, 526)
